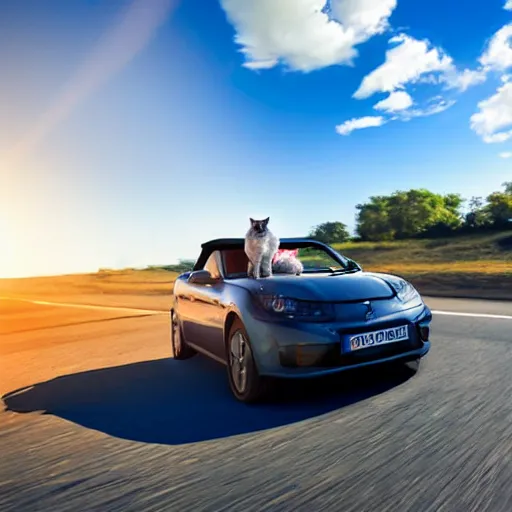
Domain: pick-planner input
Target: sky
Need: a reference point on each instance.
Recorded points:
(131, 131)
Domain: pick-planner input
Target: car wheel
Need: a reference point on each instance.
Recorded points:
(244, 380)
(180, 349)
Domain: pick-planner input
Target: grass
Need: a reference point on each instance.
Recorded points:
(462, 266)
(470, 266)
(117, 282)
(491, 248)
(128, 288)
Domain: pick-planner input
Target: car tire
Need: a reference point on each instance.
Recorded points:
(246, 384)
(180, 349)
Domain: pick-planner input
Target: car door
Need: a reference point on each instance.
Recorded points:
(203, 314)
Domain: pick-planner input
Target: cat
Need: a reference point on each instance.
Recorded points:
(286, 262)
(260, 247)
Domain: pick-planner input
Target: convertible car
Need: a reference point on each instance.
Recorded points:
(332, 317)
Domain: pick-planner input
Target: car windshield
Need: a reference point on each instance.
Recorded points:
(314, 259)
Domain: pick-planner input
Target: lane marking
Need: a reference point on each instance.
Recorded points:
(160, 312)
(88, 306)
(474, 315)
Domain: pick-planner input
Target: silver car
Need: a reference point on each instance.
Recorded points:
(331, 318)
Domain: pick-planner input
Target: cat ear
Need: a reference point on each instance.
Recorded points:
(266, 220)
(252, 220)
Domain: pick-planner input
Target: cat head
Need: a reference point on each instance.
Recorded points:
(259, 226)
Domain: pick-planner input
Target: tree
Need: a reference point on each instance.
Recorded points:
(373, 221)
(499, 206)
(406, 214)
(330, 233)
(508, 187)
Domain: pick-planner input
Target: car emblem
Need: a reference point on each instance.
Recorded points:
(370, 313)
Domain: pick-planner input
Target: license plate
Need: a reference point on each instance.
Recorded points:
(377, 338)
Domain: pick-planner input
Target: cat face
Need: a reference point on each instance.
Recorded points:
(259, 226)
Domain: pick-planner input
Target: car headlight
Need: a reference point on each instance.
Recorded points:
(304, 310)
(405, 291)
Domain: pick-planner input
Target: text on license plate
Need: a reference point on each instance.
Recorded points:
(371, 339)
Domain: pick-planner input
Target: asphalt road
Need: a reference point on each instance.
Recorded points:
(127, 428)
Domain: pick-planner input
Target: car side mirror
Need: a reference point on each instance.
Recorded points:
(354, 264)
(201, 277)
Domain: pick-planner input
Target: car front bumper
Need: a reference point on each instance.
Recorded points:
(300, 350)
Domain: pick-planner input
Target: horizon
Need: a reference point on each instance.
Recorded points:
(352, 243)
(133, 132)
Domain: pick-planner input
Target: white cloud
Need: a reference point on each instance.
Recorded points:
(465, 79)
(365, 17)
(359, 123)
(405, 63)
(261, 64)
(498, 54)
(396, 101)
(497, 138)
(300, 33)
(435, 105)
(414, 61)
(506, 154)
(508, 5)
(493, 122)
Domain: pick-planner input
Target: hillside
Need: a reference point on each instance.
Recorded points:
(495, 247)
(462, 266)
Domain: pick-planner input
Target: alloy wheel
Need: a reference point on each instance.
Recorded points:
(238, 354)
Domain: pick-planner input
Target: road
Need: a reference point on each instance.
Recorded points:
(127, 428)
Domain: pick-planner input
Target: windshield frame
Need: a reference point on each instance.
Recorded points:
(344, 264)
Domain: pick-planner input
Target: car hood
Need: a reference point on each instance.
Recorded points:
(323, 287)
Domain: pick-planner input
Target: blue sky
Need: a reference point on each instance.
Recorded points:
(132, 131)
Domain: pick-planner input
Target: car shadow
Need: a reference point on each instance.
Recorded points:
(176, 402)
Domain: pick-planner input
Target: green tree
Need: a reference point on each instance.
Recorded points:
(330, 233)
(453, 203)
(499, 206)
(373, 221)
(406, 214)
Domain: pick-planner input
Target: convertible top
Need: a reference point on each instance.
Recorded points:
(220, 244)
